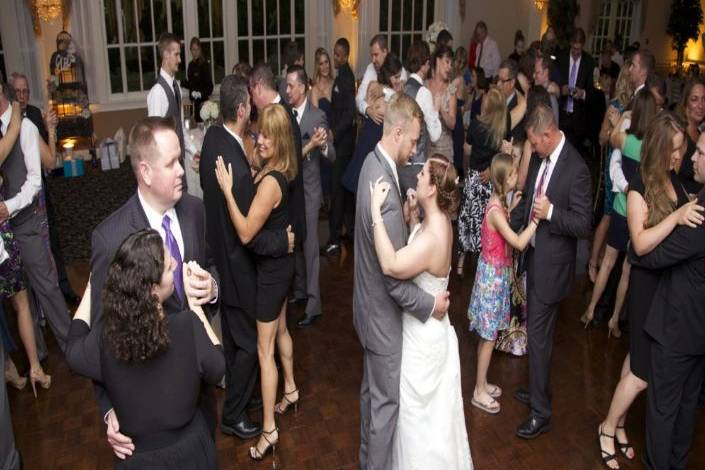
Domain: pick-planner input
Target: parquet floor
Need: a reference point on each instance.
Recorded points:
(62, 430)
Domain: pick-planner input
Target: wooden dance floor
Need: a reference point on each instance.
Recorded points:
(62, 429)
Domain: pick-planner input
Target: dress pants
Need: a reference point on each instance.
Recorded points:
(540, 327)
(9, 458)
(308, 266)
(40, 269)
(241, 364)
(675, 380)
(379, 409)
(342, 200)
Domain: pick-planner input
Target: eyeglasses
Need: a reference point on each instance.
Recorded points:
(24, 91)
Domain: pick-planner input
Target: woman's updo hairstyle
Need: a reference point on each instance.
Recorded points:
(443, 176)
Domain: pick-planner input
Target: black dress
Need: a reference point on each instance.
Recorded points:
(274, 275)
(642, 286)
(156, 400)
(199, 80)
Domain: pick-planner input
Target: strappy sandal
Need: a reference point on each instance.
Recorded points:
(280, 409)
(496, 391)
(256, 454)
(606, 456)
(624, 447)
(487, 407)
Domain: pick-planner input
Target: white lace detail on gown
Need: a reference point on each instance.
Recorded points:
(431, 431)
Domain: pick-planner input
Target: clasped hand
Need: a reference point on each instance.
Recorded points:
(198, 284)
(541, 207)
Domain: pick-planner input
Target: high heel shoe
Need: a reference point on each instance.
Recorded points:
(38, 376)
(585, 319)
(606, 456)
(280, 409)
(14, 378)
(256, 454)
(613, 328)
(625, 447)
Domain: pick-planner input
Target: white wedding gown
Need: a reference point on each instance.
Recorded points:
(430, 430)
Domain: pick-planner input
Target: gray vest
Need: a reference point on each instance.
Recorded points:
(14, 174)
(173, 112)
(412, 88)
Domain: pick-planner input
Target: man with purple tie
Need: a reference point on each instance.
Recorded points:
(160, 203)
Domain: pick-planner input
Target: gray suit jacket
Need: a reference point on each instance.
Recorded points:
(311, 119)
(379, 300)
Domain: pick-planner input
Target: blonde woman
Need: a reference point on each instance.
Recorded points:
(269, 210)
(322, 86)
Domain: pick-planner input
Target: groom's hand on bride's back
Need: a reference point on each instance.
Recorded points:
(441, 306)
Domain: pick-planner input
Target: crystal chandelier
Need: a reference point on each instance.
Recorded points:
(539, 4)
(48, 10)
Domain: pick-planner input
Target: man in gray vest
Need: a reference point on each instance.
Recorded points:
(164, 98)
(418, 62)
(22, 182)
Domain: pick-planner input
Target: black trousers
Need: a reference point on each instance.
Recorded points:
(239, 330)
(675, 380)
(342, 201)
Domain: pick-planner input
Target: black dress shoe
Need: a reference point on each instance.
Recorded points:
(243, 428)
(533, 427)
(254, 404)
(307, 321)
(331, 249)
(297, 300)
(523, 396)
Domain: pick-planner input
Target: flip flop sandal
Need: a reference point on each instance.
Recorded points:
(486, 407)
(496, 392)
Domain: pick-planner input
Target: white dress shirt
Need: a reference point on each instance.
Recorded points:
(370, 76)
(619, 181)
(577, 69)
(430, 113)
(551, 161)
(236, 137)
(29, 143)
(155, 221)
(488, 57)
(158, 105)
(392, 164)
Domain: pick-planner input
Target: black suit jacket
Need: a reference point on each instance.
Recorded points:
(551, 264)
(233, 260)
(128, 219)
(344, 112)
(677, 316)
(584, 80)
(297, 206)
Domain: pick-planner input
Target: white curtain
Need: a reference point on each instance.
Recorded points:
(81, 21)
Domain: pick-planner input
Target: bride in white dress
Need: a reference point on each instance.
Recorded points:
(430, 430)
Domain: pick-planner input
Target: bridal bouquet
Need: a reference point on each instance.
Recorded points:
(432, 34)
(209, 111)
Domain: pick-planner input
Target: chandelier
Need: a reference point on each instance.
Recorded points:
(352, 5)
(539, 4)
(48, 10)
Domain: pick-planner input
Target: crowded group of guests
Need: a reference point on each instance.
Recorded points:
(507, 157)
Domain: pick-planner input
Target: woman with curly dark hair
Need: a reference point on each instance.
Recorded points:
(151, 364)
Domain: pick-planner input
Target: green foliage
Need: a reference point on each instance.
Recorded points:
(561, 16)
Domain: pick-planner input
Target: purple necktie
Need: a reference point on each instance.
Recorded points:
(571, 85)
(174, 250)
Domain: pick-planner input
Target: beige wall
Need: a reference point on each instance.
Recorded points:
(107, 123)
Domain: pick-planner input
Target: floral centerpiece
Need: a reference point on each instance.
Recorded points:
(209, 112)
(432, 34)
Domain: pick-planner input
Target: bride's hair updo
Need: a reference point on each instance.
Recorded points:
(444, 177)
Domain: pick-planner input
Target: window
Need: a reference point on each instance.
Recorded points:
(210, 31)
(614, 21)
(404, 22)
(132, 30)
(3, 72)
(264, 27)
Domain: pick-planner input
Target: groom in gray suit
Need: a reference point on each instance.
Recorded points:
(379, 300)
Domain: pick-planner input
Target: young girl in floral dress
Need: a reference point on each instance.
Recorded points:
(490, 303)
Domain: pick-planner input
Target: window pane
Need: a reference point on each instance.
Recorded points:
(132, 67)
(243, 52)
(115, 70)
(218, 61)
(160, 24)
(203, 19)
(177, 19)
(217, 18)
(429, 14)
(405, 43)
(418, 15)
(206, 50)
(396, 16)
(299, 16)
(242, 18)
(406, 7)
(111, 28)
(284, 17)
(395, 44)
(271, 6)
(144, 19)
(258, 52)
(302, 44)
(129, 32)
(258, 18)
(273, 55)
(148, 71)
(384, 15)
(181, 73)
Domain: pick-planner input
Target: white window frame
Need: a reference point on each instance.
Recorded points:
(392, 6)
(613, 13)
